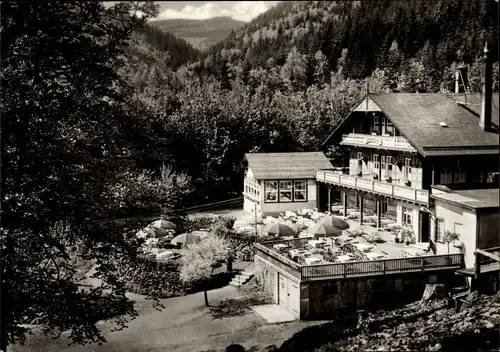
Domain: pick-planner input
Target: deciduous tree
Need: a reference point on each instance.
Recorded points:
(200, 259)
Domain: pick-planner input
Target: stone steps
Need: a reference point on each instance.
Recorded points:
(241, 279)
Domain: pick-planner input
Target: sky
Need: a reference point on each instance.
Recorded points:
(201, 10)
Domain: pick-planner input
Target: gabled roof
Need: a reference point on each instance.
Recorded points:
(272, 166)
(418, 116)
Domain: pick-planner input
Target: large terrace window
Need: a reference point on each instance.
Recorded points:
(285, 191)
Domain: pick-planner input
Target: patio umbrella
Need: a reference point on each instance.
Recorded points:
(325, 230)
(335, 222)
(163, 225)
(279, 229)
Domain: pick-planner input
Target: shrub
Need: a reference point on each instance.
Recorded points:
(150, 277)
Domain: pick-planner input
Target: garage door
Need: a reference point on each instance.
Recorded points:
(289, 294)
(283, 291)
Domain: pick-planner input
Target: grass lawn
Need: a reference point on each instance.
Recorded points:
(185, 324)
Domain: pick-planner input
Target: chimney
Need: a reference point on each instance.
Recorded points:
(487, 80)
(461, 80)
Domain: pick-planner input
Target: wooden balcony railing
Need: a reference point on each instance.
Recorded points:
(381, 142)
(381, 267)
(420, 196)
(360, 268)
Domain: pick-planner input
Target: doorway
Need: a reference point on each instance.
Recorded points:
(424, 226)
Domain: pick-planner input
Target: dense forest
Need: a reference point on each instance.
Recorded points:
(284, 80)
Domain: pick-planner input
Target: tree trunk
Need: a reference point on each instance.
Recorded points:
(206, 297)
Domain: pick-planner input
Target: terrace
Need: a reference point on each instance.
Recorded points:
(355, 267)
(360, 251)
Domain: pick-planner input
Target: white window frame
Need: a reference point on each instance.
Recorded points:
(390, 127)
(407, 216)
(300, 190)
(269, 190)
(376, 161)
(440, 229)
(287, 190)
(407, 171)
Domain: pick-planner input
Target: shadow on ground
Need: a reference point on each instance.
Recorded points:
(217, 281)
(314, 337)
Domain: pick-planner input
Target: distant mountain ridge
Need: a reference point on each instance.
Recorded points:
(202, 34)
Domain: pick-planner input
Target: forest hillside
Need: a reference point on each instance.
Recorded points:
(202, 34)
(283, 81)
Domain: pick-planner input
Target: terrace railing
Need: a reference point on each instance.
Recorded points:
(381, 142)
(358, 268)
(381, 267)
(413, 194)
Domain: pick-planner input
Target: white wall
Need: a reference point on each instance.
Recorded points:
(452, 214)
(415, 220)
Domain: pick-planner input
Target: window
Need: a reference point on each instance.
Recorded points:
(252, 188)
(459, 176)
(445, 176)
(478, 177)
(271, 189)
(492, 177)
(407, 168)
(407, 216)
(376, 164)
(299, 191)
(390, 127)
(376, 123)
(439, 230)
(388, 171)
(285, 191)
(360, 156)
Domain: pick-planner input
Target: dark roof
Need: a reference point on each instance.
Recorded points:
(471, 198)
(417, 116)
(472, 101)
(269, 166)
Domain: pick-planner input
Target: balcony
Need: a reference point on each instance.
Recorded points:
(419, 196)
(379, 142)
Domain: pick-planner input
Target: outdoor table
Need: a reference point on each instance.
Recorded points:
(344, 258)
(313, 260)
(280, 247)
(413, 252)
(363, 247)
(424, 246)
(374, 255)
